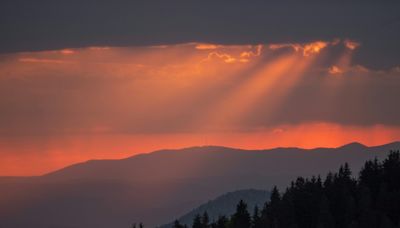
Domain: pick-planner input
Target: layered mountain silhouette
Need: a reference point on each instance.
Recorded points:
(158, 187)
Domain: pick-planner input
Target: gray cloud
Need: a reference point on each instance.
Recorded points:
(46, 24)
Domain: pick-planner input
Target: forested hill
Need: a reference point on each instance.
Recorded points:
(337, 201)
(225, 205)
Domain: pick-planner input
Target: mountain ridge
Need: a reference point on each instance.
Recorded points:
(214, 147)
(156, 187)
(202, 151)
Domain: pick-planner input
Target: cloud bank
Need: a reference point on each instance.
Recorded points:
(51, 25)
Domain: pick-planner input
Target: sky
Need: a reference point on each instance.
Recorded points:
(84, 80)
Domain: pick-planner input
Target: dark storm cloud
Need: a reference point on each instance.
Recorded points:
(27, 25)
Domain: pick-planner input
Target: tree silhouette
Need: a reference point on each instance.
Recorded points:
(177, 224)
(241, 218)
(222, 222)
(205, 220)
(256, 220)
(197, 223)
(339, 201)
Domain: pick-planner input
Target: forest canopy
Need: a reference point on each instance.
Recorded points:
(338, 201)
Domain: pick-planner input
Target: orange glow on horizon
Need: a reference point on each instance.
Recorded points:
(58, 153)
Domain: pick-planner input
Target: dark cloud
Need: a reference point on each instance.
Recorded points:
(46, 24)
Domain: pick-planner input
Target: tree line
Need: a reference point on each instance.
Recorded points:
(372, 200)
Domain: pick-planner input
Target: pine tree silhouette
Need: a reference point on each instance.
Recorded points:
(339, 201)
(205, 220)
(197, 223)
(241, 218)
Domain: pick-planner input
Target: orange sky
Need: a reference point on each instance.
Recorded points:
(22, 158)
(66, 106)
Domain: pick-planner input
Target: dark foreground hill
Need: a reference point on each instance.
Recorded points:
(156, 187)
(372, 200)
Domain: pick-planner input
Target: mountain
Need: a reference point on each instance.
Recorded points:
(156, 187)
(370, 200)
(225, 205)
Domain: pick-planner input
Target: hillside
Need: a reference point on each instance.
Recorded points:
(225, 205)
(370, 200)
(156, 187)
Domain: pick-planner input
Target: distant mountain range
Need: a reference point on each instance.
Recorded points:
(225, 205)
(158, 187)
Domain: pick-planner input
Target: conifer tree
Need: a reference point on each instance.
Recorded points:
(177, 224)
(197, 223)
(205, 220)
(325, 219)
(372, 201)
(256, 219)
(222, 222)
(241, 218)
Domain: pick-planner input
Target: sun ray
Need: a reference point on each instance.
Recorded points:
(233, 105)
